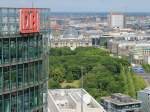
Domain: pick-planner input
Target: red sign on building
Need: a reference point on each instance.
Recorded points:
(29, 20)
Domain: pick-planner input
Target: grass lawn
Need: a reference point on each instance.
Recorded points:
(74, 84)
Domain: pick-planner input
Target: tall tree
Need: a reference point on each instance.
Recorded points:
(131, 88)
(123, 80)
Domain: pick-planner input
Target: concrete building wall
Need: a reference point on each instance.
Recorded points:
(145, 98)
(71, 43)
(117, 20)
(147, 59)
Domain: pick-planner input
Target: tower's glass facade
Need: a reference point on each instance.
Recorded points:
(23, 64)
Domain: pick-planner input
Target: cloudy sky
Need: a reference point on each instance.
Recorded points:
(83, 5)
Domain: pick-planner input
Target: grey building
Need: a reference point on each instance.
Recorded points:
(120, 47)
(120, 103)
(144, 96)
(71, 39)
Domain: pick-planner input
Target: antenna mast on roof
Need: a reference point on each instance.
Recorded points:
(32, 4)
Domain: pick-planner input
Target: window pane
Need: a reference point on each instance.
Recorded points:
(6, 82)
(26, 75)
(6, 50)
(14, 102)
(1, 80)
(31, 73)
(1, 103)
(13, 77)
(0, 51)
(39, 46)
(32, 103)
(7, 103)
(31, 47)
(19, 49)
(20, 102)
(26, 101)
(36, 71)
(25, 48)
(13, 50)
(20, 75)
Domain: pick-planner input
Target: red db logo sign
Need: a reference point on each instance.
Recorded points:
(29, 20)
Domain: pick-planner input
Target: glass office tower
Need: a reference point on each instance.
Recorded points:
(23, 63)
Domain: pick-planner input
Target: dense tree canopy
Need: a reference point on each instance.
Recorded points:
(102, 73)
(146, 67)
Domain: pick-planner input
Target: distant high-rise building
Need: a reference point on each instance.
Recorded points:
(116, 20)
(24, 35)
(144, 96)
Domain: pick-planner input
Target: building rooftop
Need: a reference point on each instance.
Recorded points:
(116, 13)
(146, 90)
(136, 43)
(72, 100)
(70, 33)
(121, 99)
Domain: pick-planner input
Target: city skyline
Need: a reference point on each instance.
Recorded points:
(83, 5)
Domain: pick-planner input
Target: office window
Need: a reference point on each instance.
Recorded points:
(13, 49)
(26, 74)
(35, 47)
(19, 49)
(40, 71)
(36, 96)
(25, 48)
(40, 95)
(14, 102)
(30, 47)
(26, 101)
(6, 81)
(36, 71)
(32, 102)
(6, 50)
(40, 46)
(1, 44)
(13, 77)
(20, 75)
(1, 80)
(1, 103)
(31, 72)
(7, 103)
(20, 101)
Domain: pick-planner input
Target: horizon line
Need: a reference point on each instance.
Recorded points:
(96, 12)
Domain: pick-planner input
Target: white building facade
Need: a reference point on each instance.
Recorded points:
(117, 20)
(72, 100)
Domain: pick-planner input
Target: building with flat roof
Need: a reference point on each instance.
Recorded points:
(72, 100)
(116, 20)
(144, 96)
(120, 103)
(23, 59)
(140, 53)
(120, 47)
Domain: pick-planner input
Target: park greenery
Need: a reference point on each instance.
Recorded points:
(146, 67)
(102, 73)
